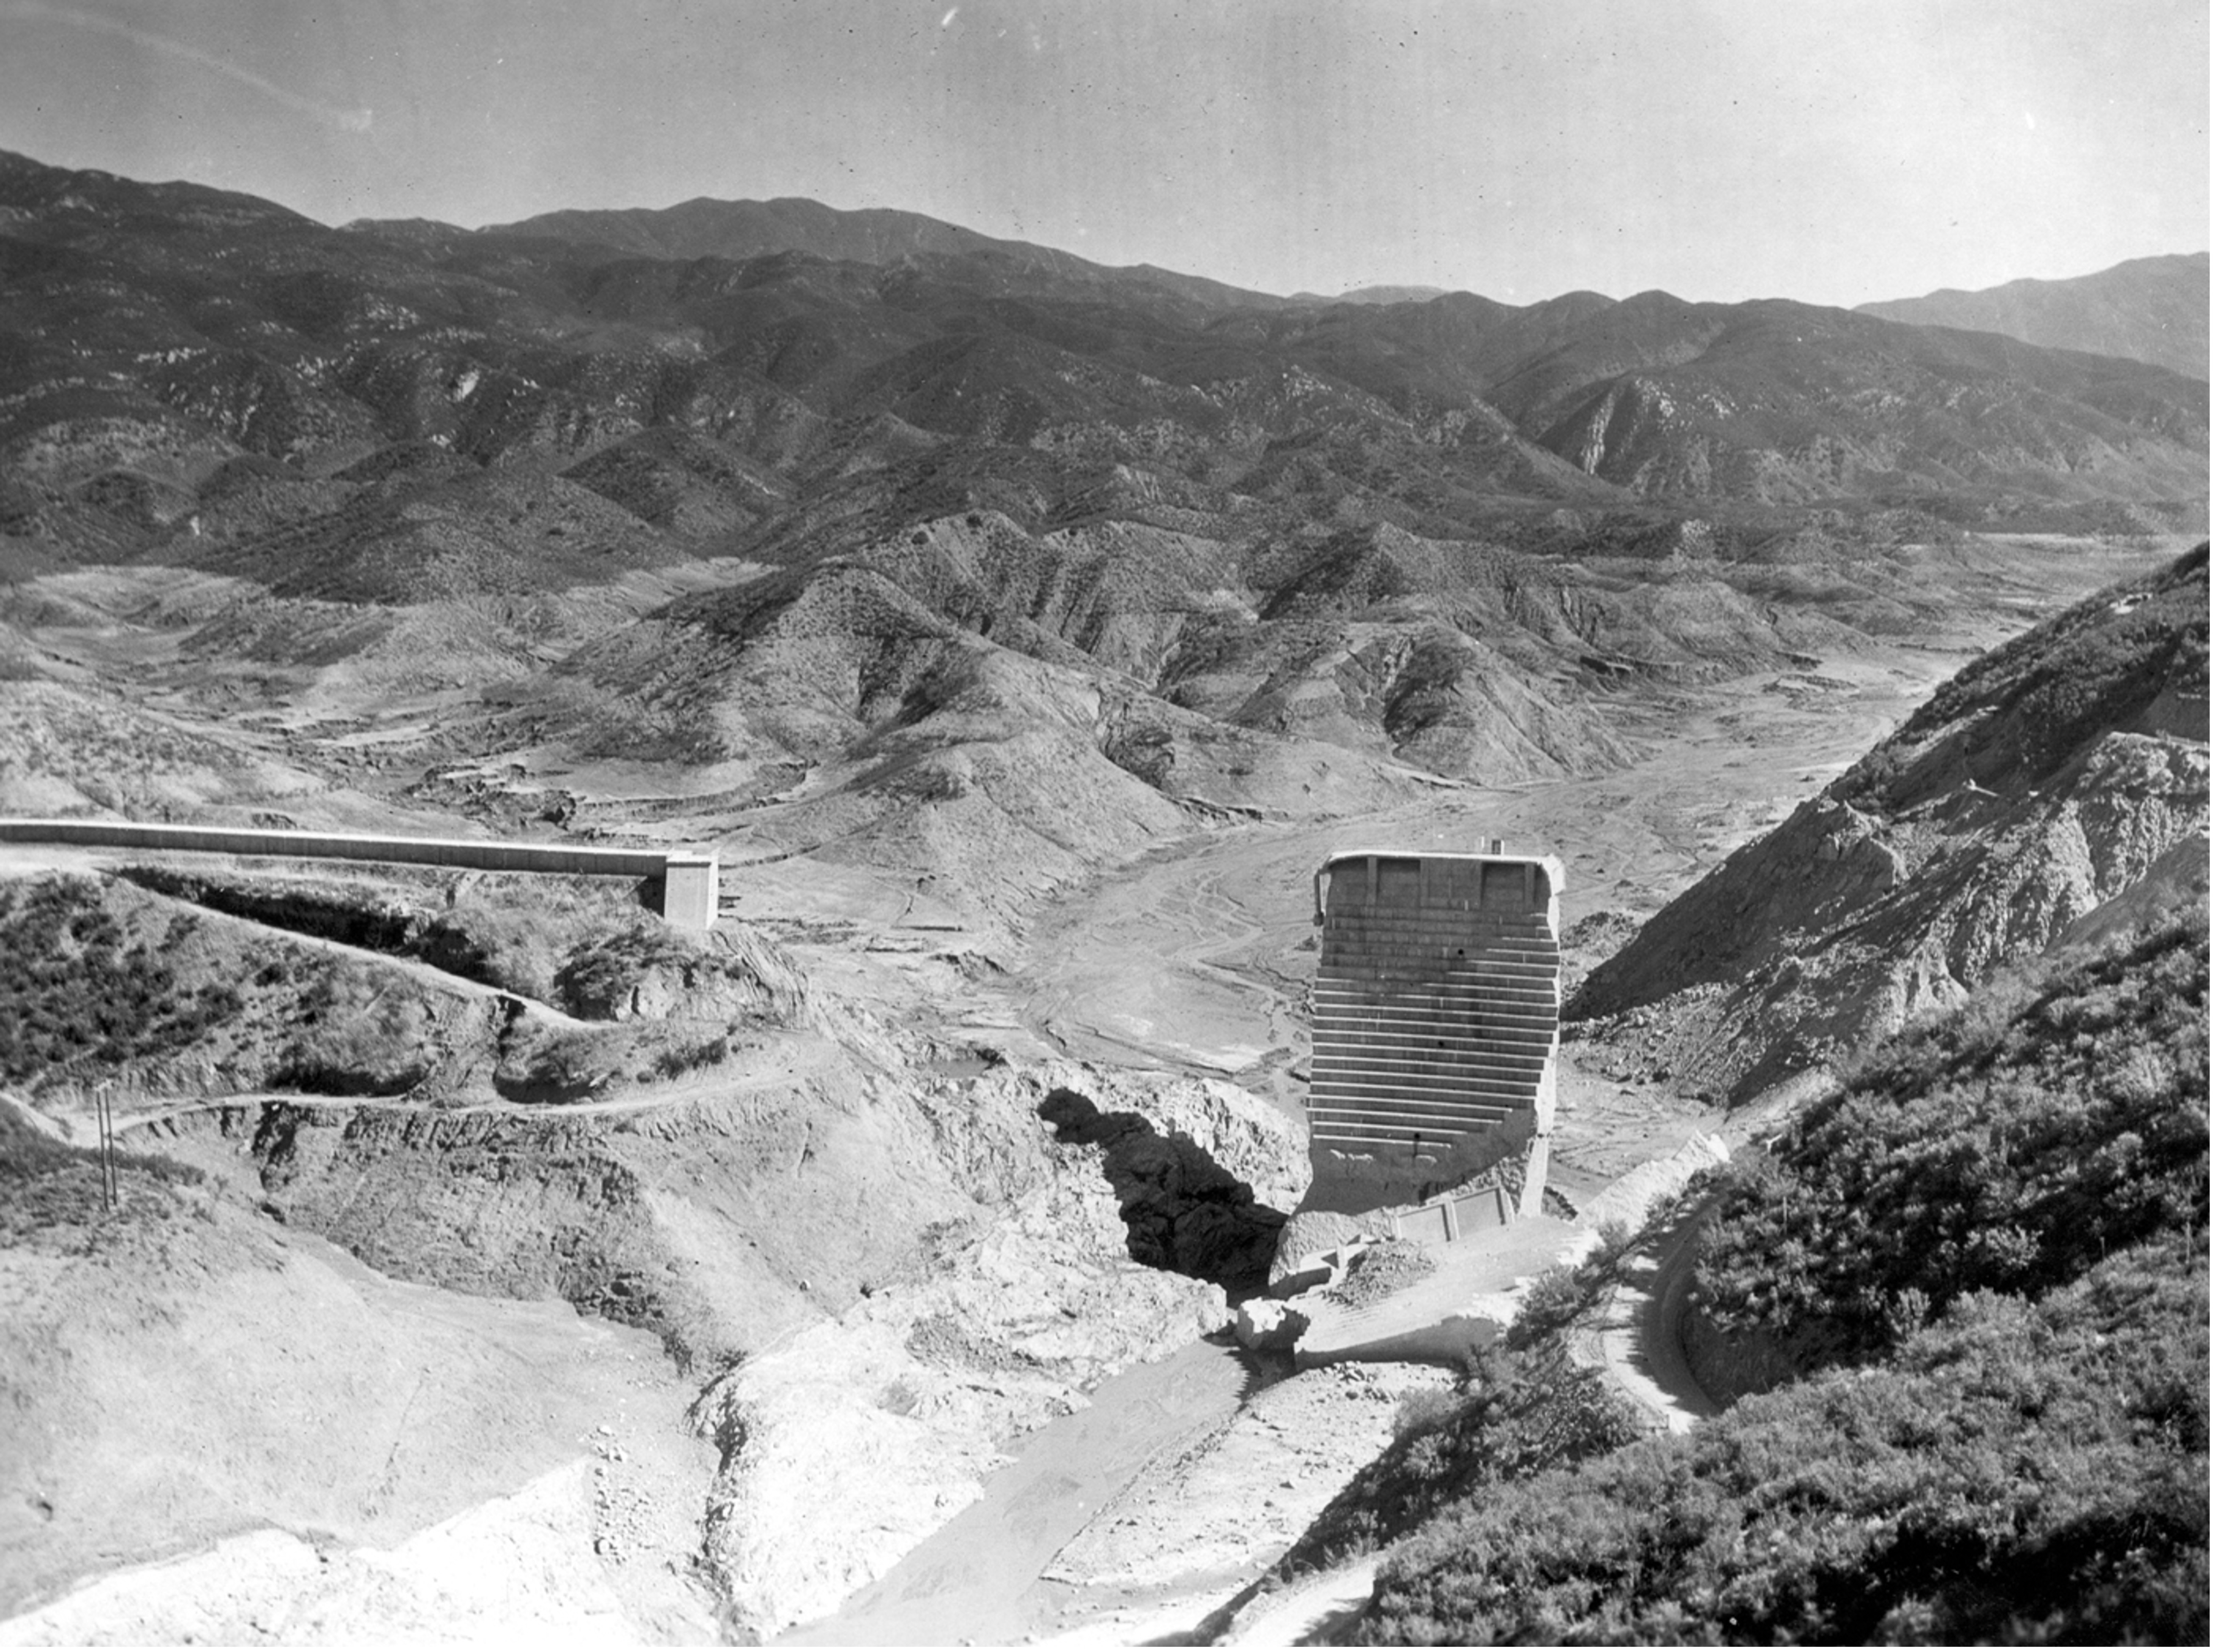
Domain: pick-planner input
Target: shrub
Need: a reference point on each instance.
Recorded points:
(2061, 1115)
(357, 1035)
(1513, 1415)
(74, 987)
(690, 1057)
(2025, 1472)
(2004, 1219)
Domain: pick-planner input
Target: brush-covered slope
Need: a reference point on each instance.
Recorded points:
(2063, 1115)
(2050, 777)
(2005, 1221)
(2149, 309)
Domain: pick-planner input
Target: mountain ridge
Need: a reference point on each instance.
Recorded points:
(2154, 309)
(2047, 782)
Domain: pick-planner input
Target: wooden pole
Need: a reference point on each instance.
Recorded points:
(103, 1112)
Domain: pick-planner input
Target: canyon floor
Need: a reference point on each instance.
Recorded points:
(495, 1464)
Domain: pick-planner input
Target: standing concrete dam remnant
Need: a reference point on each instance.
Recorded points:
(689, 875)
(1434, 1023)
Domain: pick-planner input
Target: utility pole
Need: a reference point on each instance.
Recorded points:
(103, 1111)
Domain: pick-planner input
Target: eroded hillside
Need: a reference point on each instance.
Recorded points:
(949, 553)
(2051, 777)
(1021, 632)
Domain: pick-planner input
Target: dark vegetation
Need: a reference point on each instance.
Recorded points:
(94, 988)
(597, 978)
(2023, 1471)
(351, 1034)
(583, 949)
(2003, 1218)
(1517, 1412)
(345, 914)
(2063, 1115)
(1522, 1406)
(74, 988)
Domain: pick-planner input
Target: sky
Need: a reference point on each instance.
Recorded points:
(1832, 151)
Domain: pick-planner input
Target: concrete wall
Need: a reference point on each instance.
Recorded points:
(690, 875)
(689, 889)
(1434, 1031)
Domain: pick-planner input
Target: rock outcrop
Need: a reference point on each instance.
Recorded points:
(846, 1443)
(2051, 777)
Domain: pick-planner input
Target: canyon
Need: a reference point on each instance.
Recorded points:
(1020, 635)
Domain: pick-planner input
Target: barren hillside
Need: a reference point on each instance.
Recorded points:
(2050, 778)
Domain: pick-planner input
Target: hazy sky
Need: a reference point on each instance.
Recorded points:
(1835, 150)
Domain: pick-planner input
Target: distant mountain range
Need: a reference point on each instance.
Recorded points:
(702, 229)
(983, 534)
(2147, 309)
(751, 229)
(2154, 310)
(1377, 295)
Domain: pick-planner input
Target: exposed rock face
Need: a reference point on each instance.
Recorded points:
(910, 1276)
(847, 1444)
(736, 973)
(2051, 777)
(850, 1443)
(720, 1221)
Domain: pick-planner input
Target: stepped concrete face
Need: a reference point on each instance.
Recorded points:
(1433, 1021)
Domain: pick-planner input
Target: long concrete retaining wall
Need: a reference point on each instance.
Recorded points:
(1434, 1023)
(690, 876)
